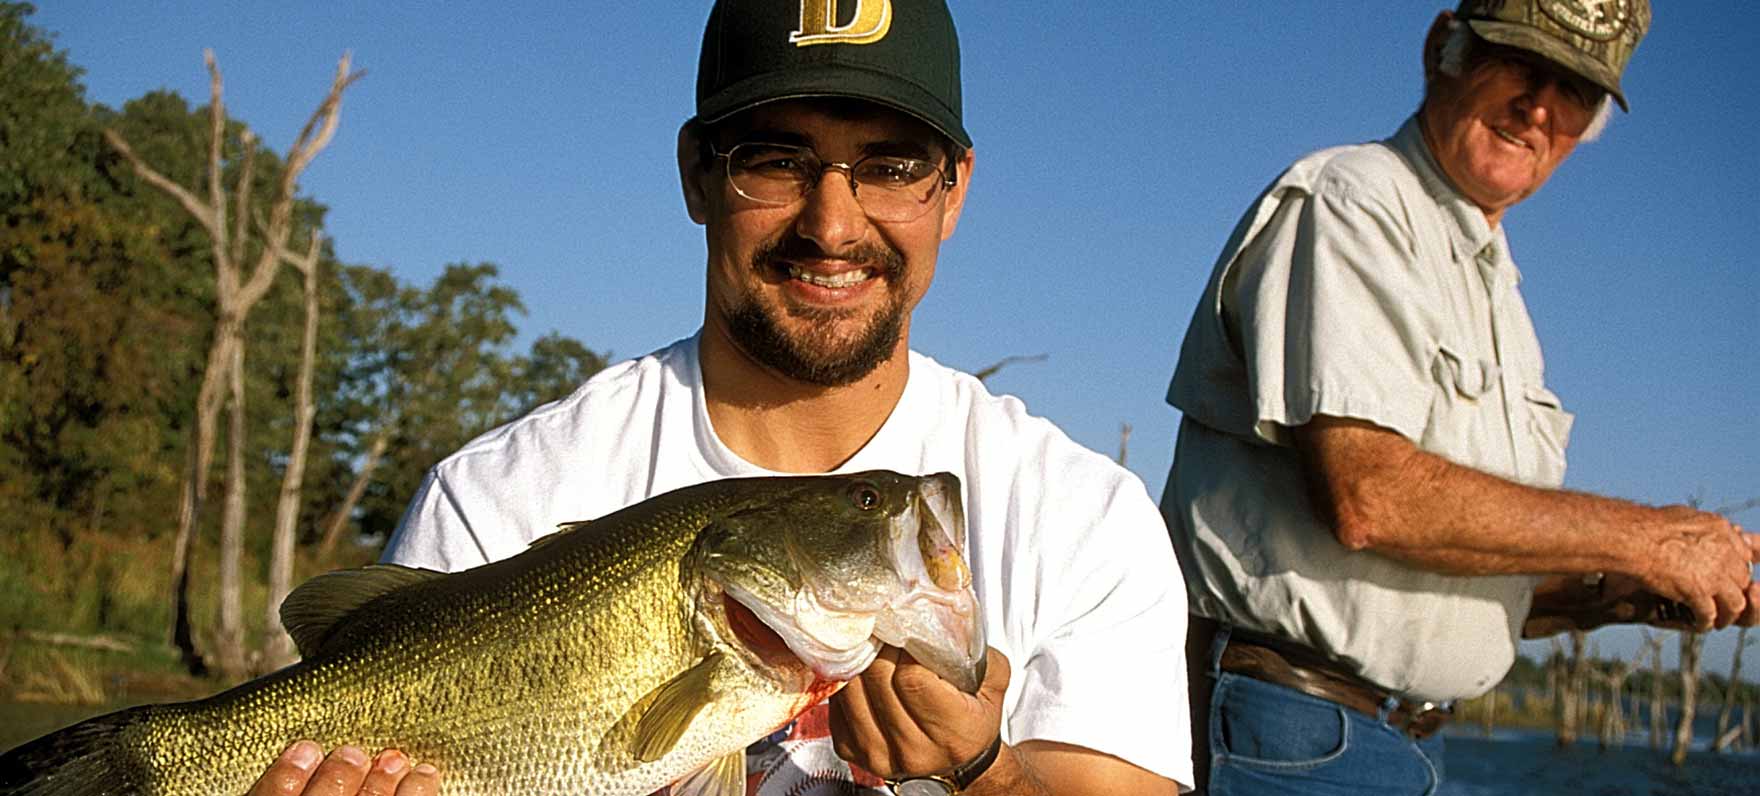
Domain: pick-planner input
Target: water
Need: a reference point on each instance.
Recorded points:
(1528, 763)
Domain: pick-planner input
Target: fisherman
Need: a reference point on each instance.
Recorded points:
(827, 162)
(1364, 494)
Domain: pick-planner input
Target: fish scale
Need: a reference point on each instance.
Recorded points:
(546, 673)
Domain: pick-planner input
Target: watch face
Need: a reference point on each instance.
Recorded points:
(922, 787)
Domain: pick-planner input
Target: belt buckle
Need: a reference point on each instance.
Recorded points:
(1423, 719)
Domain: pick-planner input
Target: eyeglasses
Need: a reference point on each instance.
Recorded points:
(888, 187)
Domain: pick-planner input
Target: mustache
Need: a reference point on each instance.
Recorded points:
(882, 259)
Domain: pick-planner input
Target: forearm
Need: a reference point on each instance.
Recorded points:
(1044, 768)
(1386, 495)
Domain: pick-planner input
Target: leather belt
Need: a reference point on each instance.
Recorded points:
(1291, 665)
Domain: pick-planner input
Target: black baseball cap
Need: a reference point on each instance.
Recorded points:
(903, 54)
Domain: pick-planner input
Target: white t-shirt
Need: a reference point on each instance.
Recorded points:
(1070, 558)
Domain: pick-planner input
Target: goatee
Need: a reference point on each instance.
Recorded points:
(819, 355)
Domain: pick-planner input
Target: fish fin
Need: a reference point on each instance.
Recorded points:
(723, 776)
(667, 711)
(562, 530)
(94, 756)
(315, 610)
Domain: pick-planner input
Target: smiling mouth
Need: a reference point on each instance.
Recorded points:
(839, 280)
(1501, 133)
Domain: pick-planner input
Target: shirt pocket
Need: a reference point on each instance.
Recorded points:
(1549, 426)
(1463, 376)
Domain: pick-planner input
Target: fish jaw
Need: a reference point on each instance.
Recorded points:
(934, 616)
(927, 606)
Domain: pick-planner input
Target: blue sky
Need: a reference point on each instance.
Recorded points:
(1115, 151)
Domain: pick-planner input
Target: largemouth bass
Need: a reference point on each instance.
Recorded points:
(617, 656)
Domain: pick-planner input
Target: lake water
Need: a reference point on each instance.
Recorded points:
(1525, 763)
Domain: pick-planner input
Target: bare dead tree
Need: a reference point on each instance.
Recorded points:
(1573, 688)
(984, 374)
(1613, 719)
(1658, 710)
(362, 479)
(1727, 714)
(278, 649)
(236, 294)
(1691, 645)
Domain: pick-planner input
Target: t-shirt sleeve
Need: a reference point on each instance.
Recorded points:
(1108, 669)
(1328, 307)
(434, 532)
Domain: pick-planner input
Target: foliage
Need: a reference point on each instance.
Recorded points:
(106, 311)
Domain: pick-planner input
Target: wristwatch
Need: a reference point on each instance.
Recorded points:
(954, 782)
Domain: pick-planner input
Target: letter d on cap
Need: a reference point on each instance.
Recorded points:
(873, 18)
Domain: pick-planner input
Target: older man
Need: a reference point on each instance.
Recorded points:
(827, 162)
(1364, 496)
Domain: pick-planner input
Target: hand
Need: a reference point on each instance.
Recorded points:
(345, 772)
(900, 719)
(1705, 562)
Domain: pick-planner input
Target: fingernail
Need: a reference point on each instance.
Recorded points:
(392, 761)
(426, 770)
(352, 756)
(303, 755)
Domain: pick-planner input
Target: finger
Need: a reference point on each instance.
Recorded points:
(1753, 540)
(856, 732)
(288, 775)
(341, 773)
(1751, 615)
(423, 780)
(1704, 612)
(389, 769)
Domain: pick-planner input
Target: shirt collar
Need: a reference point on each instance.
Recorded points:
(1468, 230)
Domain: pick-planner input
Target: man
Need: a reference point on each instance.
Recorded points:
(1364, 496)
(827, 163)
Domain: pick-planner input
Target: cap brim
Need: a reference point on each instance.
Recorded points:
(1527, 38)
(842, 80)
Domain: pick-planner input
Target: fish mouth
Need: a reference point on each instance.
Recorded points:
(931, 612)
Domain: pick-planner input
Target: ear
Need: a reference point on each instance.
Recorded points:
(1433, 42)
(692, 173)
(956, 196)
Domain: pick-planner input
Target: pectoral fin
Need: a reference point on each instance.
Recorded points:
(670, 708)
(723, 776)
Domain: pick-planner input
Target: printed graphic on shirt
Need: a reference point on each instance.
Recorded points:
(799, 760)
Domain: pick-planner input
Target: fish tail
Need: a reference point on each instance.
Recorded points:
(92, 757)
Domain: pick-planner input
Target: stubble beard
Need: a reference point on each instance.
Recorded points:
(821, 355)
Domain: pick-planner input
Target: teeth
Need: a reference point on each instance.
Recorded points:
(845, 279)
(1507, 137)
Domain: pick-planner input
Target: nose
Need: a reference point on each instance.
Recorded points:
(830, 215)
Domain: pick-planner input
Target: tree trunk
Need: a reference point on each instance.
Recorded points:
(1572, 690)
(195, 492)
(1727, 714)
(339, 520)
(1658, 710)
(278, 648)
(1691, 644)
(230, 652)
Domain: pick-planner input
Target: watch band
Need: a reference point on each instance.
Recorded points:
(954, 782)
(965, 775)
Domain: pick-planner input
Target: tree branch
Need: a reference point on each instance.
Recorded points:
(195, 207)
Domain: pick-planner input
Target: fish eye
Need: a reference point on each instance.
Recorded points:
(865, 496)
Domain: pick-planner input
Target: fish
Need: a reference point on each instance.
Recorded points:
(648, 647)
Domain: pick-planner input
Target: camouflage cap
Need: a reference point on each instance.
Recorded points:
(1593, 38)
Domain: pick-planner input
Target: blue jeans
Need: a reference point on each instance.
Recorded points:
(1268, 739)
